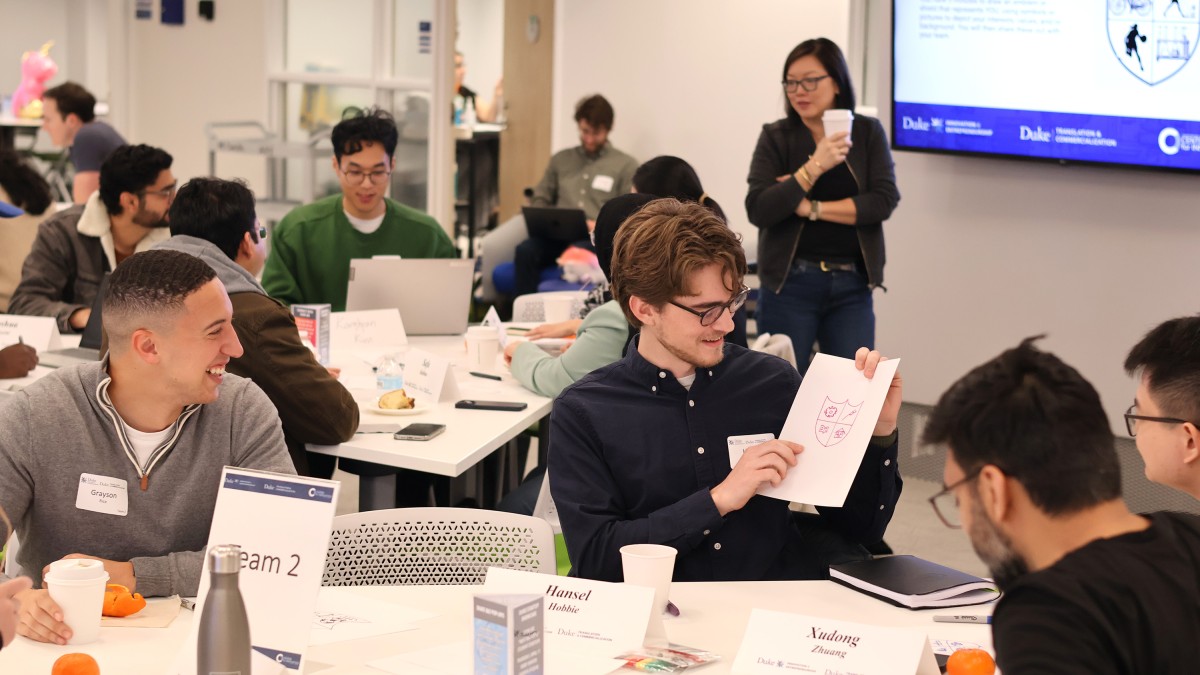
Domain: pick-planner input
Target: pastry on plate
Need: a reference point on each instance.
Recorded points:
(396, 400)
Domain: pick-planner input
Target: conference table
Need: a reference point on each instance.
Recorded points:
(713, 617)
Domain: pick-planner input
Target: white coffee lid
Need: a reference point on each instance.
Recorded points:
(77, 569)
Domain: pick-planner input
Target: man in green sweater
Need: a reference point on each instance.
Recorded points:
(313, 245)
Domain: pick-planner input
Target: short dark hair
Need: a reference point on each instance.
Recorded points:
(73, 99)
(1036, 419)
(215, 210)
(596, 111)
(150, 286)
(24, 186)
(372, 125)
(833, 61)
(658, 248)
(130, 168)
(667, 176)
(1168, 357)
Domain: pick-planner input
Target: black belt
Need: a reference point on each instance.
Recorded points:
(828, 266)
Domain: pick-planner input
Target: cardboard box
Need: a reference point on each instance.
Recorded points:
(508, 635)
(313, 323)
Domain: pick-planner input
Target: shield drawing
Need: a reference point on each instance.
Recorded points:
(835, 420)
(1153, 39)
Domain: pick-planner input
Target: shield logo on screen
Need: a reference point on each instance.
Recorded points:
(1153, 39)
(834, 421)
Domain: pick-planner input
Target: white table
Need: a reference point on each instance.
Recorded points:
(470, 436)
(713, 617)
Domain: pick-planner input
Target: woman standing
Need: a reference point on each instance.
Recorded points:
(819, 203)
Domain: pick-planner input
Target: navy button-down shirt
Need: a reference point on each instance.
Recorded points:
(634, 455)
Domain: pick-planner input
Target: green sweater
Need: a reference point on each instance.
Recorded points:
(312, 247)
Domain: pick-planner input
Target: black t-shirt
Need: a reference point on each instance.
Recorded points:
(1128, 605)
(821, 240)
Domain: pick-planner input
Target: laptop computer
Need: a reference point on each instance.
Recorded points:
(555, 224)
(89, 343)
(432, 294)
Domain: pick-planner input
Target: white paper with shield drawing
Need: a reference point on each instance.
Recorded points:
(833, 417)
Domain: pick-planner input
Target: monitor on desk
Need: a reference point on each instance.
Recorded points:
(432, 294)
(555, 224)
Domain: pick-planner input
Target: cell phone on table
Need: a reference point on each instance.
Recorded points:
(507, 406)
(419, 432)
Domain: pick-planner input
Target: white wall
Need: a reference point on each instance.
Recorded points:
(984, 252)
(693, 78)
(481, 40)
(38, 21)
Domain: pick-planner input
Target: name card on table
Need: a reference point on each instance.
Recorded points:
(593, 617)
(369, 329)
(492, 318)
(283, 558)
(430, 376)
(781, 642)
(39, 332)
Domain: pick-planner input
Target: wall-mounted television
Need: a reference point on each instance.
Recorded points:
(1099, 81)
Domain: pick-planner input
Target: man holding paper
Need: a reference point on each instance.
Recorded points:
(641, 447)
(120, 460)
(1032, 475)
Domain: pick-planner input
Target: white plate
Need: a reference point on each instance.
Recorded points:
(415, 410)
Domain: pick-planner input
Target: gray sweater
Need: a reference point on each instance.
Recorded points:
(58, 428)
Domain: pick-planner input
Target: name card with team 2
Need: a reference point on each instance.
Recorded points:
(782, 642)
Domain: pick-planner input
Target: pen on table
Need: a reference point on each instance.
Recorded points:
(188, 604)
(20, 340)
(486, 376)
(963, 618)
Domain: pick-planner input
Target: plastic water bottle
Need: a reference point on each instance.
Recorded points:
(390, 375)
(224, 644)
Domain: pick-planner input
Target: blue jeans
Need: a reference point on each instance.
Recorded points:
(833, 309)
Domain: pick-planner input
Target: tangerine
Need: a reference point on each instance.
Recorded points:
(970, 662)
(75, 664)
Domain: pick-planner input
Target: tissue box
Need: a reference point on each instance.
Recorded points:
(313, 323)
(508, 635)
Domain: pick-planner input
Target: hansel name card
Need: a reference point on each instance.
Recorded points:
(781, 642)
(39, 332)
(430, 376)
(369, 329)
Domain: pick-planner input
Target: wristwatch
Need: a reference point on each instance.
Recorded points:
(815, 212)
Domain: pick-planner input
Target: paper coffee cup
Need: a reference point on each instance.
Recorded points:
(650, 565)
(558, 308)
(483, 345)
(837, 120)
(77, 586)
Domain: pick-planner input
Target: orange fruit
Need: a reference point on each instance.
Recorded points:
(970, 662)
(75, 664)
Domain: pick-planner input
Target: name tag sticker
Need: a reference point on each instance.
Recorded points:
(738, 445)
(102, 494)
(602, 183)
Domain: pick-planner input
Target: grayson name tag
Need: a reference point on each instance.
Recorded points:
(738, 445)
(602, 183)
(102, 494)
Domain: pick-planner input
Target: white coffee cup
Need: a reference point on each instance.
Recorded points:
(836, 121)
(77, 586)
(650, 565)
(483, 344)
(558, 308)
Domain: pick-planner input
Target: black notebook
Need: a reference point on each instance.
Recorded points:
(909, 581)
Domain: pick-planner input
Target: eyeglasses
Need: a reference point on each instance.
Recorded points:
(945, 503)
(1132, 419)
(356, 177)
(709, 316)
(805, 83)
(166, 193)
(262, 231)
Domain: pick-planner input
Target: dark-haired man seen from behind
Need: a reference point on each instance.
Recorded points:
(69, 117)
(15, 360)
(214, 220)
(1165, 414)
(77, 247)
(312, 246)
(1032, 475)
(154, 423)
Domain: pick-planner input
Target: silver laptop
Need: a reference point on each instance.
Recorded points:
(89, 343)
(433, 295)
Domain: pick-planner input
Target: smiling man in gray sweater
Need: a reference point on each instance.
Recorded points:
(120, 460)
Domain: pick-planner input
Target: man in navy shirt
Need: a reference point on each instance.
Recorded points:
(639, 448)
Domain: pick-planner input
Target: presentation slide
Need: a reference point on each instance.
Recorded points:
(1098, 81)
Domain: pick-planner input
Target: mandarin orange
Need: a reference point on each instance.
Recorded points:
(970, 662)
(75, 664)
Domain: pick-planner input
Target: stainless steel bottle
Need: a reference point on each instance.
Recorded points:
(224, 644)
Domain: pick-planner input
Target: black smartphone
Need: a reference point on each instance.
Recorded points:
(419, 432)
(508, 406)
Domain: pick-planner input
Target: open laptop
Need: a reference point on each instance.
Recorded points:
(432, 294)
(565, 225)
(89, 343)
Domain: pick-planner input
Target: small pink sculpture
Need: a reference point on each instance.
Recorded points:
(36, 69)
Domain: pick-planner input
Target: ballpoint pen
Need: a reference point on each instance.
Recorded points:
(486, 376)
(963, 618)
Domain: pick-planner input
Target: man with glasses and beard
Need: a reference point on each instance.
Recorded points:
(312, 246)
(1032, 475)
(76, 248)
(640, 447)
